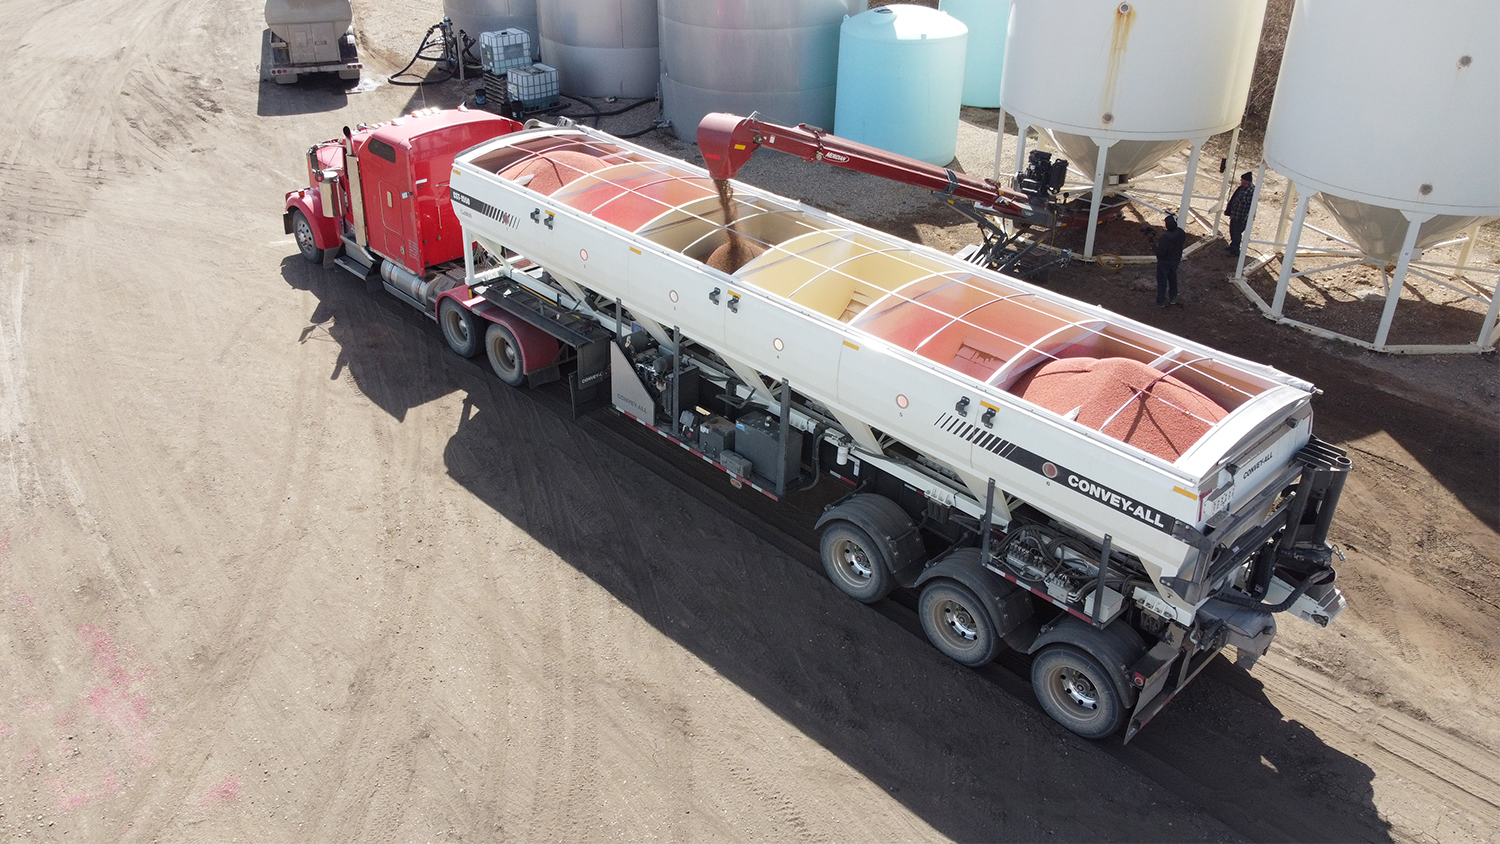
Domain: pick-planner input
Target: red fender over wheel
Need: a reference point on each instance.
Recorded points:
(538, 349)
(325, 229)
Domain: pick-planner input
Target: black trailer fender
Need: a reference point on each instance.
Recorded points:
(1116, 647)
(1007, 604)
(886, 523)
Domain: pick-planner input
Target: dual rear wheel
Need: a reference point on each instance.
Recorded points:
(469, 334)
(1070, 684)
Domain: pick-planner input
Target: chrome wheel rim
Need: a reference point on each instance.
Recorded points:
(458, 327)
(1078, 690)
(959, 622)
(503, 355)
(304, 234)
(853, 561)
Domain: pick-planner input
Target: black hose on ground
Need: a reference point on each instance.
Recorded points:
(634, 105)
(595, 113)
(652, 128)
(595, 109)
(422, 55)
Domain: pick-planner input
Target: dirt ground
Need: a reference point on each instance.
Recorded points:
(276, 566)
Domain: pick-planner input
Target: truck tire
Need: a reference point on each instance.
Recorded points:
(461, 328)
(504, 352)
(307, 241)
(856, 563)
(1073, 688)
(957, 624)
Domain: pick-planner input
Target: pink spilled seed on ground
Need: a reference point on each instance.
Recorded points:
(118, 703)
(227, 791)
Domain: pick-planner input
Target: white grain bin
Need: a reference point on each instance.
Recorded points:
(1390, 114)
(984, 59)
(601, 48)
(1385, 109)
(901, 76)
(778, 57)
(1135, 78)
(476, 16)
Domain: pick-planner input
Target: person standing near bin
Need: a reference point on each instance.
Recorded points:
(1168, 256)
(1238, 212)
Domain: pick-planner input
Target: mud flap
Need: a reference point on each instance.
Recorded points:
(1161, 674)
(587, 386)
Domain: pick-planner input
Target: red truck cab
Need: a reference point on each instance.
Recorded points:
(385, 188)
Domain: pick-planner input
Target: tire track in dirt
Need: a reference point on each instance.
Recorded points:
(1458, 774)
(234, 650)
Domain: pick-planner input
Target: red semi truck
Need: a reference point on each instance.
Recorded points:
(604, 275)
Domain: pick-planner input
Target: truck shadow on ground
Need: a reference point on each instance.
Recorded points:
(731, 579)
(312, 94)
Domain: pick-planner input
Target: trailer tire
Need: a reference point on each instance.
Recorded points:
(1074, 689)
(855, 562)
(307, 239)
(504, 352)
(957, 624)
(462, 328)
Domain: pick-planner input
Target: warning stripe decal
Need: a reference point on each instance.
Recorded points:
(1052, 470)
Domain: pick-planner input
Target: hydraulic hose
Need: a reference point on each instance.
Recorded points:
(1229, 596)
(817, 458)
(652, 128)
(595, 113)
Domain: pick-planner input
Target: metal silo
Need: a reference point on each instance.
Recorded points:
(476, 16)
(1390, 115)
(778, 57)
(900, 79)
(601, 48)
(1119, 86)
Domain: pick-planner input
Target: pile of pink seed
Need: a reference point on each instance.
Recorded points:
(1133, 402)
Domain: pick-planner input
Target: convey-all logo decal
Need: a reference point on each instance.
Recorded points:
(1052, 470)
(1133, 509)
(504, 218)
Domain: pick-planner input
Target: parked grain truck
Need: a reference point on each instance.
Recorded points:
(1117, 501)
(311, 36)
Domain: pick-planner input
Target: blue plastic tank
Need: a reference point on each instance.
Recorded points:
(900, 80)
(987, 21)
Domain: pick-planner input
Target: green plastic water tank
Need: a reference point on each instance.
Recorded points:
(900, 80)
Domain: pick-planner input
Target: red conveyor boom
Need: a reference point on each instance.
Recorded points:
(727, 141)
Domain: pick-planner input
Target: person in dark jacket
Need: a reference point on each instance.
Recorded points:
(1238, 212)
(1168, 256)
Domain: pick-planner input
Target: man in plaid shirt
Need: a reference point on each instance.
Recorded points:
(1238, 212)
